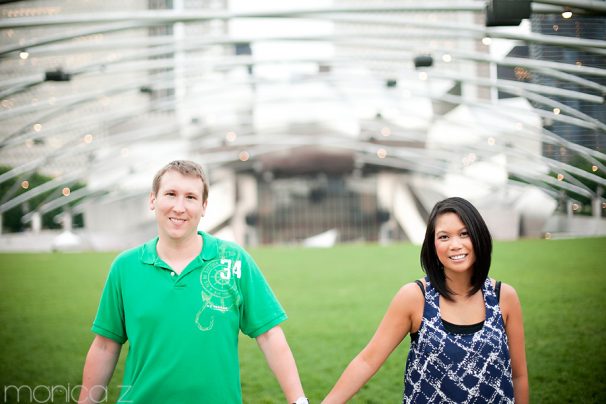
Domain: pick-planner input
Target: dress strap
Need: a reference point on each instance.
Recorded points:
(497, 290)
(418, 282)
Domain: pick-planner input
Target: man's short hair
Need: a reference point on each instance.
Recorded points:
(183, 167)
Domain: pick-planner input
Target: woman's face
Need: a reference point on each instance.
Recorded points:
(453, 243)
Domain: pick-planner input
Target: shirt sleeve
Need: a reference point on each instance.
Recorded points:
(109, 321)
(260, 310)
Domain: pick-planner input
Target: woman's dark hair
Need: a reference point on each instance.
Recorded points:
(480, 239)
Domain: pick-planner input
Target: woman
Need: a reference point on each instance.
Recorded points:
(467, 336)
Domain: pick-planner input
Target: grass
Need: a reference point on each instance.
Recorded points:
(335, 298)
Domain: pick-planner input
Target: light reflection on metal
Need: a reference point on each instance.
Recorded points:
(230, 136)
(244, 156)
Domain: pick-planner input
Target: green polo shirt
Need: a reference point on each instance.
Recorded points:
(183, 329)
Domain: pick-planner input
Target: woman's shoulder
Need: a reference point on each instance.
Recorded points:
(502, 285)
(415, 287)
(509, 294)
(411, 294)
(507, 291)
(509, 300)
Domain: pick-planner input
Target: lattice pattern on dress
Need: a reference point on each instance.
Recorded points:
(459, 368)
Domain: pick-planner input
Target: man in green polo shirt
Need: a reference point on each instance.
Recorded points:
(181, 300)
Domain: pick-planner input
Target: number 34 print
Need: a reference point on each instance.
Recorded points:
(219, 290)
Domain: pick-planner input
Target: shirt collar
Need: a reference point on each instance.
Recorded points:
(210, 246)
(149, 255)
(210, 250)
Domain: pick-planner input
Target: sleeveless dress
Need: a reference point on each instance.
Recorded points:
(444, 367)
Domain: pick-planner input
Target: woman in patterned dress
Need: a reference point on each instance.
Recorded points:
(467, 335)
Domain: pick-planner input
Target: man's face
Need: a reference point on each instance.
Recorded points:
(178, 205)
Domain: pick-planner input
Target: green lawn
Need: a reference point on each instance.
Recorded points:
(335, 299)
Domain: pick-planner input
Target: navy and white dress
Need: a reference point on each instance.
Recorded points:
(459, 367)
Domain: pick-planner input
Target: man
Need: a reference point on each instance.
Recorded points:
(181, 300)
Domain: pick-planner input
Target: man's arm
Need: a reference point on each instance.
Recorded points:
(98, 369)
(281, 362)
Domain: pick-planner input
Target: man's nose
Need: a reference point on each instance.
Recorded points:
(179, 205)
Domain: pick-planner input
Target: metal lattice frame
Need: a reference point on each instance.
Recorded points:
(159, 75)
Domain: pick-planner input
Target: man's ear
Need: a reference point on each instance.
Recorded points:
(204, 207)
(152, 201)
